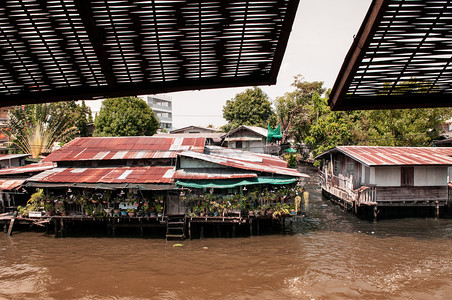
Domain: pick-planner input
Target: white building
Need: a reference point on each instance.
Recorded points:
(163, 108)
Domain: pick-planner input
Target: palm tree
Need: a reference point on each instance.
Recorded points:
(35, 128)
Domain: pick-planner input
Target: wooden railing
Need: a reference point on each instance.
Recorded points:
(342, 187)
(366, 195)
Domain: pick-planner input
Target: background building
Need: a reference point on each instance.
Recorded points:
(163, 108)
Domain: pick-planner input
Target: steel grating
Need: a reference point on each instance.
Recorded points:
(53, 50)
(401, 58)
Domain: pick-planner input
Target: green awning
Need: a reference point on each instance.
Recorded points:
(291, 150)
(274, 133)
(232, 183)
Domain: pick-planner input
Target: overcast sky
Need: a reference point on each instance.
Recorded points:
(321, 37)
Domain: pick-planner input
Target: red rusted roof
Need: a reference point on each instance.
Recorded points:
(107, 175)
(107, 148)
(238, 154)
(32, 168)
(242, 164)
(395, 156)
(10, 184)
(211, 174)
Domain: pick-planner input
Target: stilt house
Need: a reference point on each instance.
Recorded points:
(379, 177)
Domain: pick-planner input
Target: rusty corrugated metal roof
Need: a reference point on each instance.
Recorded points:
(216, 137)
(10, 184)
(266, 159)
(206, 174)
(32, 168)
(244, 165)
(107, 175)
(395, 156)
(255, 129)
(108, 148)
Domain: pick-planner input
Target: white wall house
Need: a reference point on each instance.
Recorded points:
(387, 176)
(248, 138)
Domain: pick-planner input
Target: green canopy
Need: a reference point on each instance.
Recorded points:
(232, 183)
(274, 133)
(291, 150)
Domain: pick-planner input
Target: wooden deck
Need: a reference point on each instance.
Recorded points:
(59, 224)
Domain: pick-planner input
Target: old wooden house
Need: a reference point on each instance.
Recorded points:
(362, 177)
(163, 181)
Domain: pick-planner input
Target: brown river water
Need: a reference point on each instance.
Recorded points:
(332, 255)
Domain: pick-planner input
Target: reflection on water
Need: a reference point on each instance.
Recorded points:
(332, 255)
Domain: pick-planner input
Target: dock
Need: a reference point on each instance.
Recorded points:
(168, 226)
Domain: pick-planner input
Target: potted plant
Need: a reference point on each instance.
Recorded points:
(145, 210)
(108, 211)
(49, 209)
(116, 212)
(159, 209)
(131, 212)
(152, 211)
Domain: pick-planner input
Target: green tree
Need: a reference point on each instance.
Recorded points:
(294, 110)
(35, 128)
(251, 107)
(83, 117)
(126, 116)
(306, 116)
(397, 127)
(405, 127)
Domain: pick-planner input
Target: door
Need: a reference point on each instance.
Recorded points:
(175, 206)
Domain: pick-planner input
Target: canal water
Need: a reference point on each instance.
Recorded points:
(332, 255)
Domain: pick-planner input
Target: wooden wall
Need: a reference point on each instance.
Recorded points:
(347, 166)
(412, 193)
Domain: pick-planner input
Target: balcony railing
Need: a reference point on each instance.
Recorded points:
(342, 186)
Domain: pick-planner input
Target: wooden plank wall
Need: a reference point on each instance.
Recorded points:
(344, 160)
(412, 193)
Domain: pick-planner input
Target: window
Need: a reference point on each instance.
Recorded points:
(238, 144)
(407, 176)
(336, 168)
(350, 169)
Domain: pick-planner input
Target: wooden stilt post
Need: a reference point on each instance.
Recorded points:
(258, 228)
(55, 226)
(10, 229)
(375, 213)
(61, 228)
(437, 210)
(233, 230)
(201, 234)
(189, 229)
(251, 227)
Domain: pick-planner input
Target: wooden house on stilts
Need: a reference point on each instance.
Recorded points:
(161, 182)
(381, 179)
